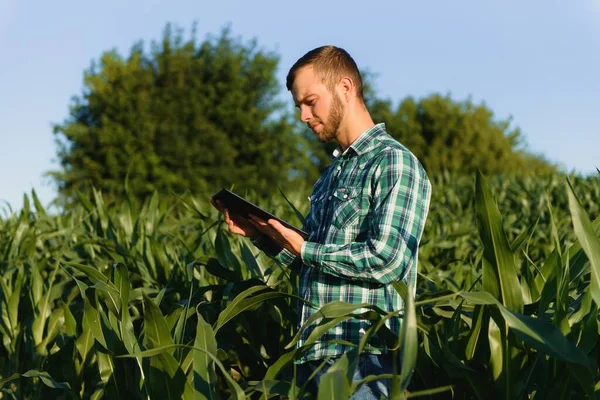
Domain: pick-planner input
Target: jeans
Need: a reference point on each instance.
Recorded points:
(368, 364)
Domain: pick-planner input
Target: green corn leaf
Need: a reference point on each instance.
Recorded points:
(70, 326)
(478, 382)
(516, 245)
(84, 343)
(298, 214)
(407, 342)
(237, 303)
(92, 273)
(101, 212)
(84, 201)
(479, 319)
(499, 274)
(588, 240)
(121, 282)
(250, 262)
(283, 361)
(166, 380)
(214, 267)
(231, 312)
(204, 368)
(323, 326)
(92, 319)
(106, 367)
(37, 204)
(123, 287)
(47, 379)
(225, 255)
(234, 387)
(37, 285)
(497, 354)
(334, 385)
(333, 309)
(17, 239)
(160, 256)
(538, 333)
(175, 318)
(585, 306)
(194, 206)
(187, 365)
(429, 392)
(9, 379)
(55, 323)
(155, 327)
(182, 321)
(272, 387)
(14, 300)
(544, 336)
(44, 308)
(590, 332)
(112, 296)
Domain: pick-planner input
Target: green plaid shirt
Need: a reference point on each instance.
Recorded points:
(368, 210)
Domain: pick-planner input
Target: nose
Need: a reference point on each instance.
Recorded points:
(305, 114)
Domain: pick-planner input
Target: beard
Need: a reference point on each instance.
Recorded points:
(336, 114)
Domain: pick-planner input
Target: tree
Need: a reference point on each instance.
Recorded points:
(447, 135)
(188, 116)
(457, 136)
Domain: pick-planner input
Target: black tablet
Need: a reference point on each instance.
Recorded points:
(239, 206)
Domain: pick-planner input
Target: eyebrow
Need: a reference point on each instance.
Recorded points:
(302, 100)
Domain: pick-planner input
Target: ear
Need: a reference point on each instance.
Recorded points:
(346, 87)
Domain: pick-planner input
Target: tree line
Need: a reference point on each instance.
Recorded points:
(192, 116)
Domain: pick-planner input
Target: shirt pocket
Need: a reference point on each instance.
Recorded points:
(315, 215)
(346, 206)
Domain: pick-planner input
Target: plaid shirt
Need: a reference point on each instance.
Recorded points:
(368, 210)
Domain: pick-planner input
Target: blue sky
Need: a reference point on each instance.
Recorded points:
(535, 61)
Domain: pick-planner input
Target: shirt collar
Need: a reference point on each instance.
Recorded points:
(363, 143)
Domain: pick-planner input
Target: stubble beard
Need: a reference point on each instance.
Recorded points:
(331, 128)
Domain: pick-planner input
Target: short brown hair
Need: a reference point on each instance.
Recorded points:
(331, 63)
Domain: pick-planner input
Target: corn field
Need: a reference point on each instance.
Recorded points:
(158, 301)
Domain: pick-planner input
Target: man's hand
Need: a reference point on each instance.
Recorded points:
(287, 238)
(237, 225)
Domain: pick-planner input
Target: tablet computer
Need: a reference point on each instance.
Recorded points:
(239, 206)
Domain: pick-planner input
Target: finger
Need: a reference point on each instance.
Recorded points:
(278, 227)
(275, 224)
(226, 215)
(263, 227)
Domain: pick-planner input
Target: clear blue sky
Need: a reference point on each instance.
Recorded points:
(537, 61)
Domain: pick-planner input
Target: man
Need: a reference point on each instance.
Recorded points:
(367, 214)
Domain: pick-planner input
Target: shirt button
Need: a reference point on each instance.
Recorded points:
(339, 167)
(329, 197)
(345, 196)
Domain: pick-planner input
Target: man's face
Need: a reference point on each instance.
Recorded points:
(320, 109)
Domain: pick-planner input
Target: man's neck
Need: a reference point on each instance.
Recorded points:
(356, 124)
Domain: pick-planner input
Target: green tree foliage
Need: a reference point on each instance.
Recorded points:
(457, 136)
(448, 136)
(190, 116)
(186, 116)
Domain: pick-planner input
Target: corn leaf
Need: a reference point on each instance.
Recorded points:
(204, 367)
(588, 240)
(499, 273)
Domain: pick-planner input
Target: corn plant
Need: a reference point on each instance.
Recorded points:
(158, 300)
